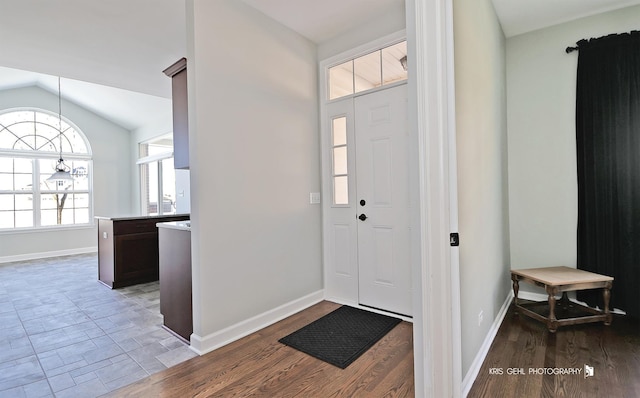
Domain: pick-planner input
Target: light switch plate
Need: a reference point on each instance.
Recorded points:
(314, 198)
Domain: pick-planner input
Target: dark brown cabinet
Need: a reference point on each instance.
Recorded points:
(175, 279)
(128, 249)
(178, 74)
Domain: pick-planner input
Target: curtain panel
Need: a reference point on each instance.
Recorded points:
(608, 154)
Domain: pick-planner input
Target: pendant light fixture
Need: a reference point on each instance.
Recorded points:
(62, 173)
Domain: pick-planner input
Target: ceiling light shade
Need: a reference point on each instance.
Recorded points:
(62, 173)
(403, 62)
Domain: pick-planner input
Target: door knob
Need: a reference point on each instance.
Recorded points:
(362, 217)
(362, 202)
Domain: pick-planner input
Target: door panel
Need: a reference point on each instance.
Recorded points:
(381, 137)
(381, 156)
(383, 256)
(342, 249)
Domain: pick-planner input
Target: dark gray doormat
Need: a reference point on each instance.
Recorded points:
(341, 336)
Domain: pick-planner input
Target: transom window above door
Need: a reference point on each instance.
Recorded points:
(375, 69)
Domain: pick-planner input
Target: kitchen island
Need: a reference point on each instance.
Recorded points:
(128, 249)
(176, 305)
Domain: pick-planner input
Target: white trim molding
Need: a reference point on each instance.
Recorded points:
(370, 309)
(363, 49)
(474, 369)
(57, 253)
(204, 344)
(343, 285)
(437, 335)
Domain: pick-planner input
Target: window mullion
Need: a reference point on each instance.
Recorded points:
(160, 190)
(381, 68)
(36, 192)
(144, 188)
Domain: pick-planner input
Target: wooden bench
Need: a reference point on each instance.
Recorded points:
(557, 280)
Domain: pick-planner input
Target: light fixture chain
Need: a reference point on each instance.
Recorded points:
(60, 116)
(62, 171)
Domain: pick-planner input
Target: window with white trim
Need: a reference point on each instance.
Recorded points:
(31, 142)
(157, 176)
(339, 161)
(375, 69)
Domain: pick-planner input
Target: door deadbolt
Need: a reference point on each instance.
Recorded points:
(362, 202)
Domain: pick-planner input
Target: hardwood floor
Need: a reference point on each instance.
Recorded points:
(258, 365)
(523, 343)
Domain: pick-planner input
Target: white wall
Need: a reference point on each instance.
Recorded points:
(111, 177)
(183, 191)
(482, 170)
(393, 20)
(541, 81)
(254, 157)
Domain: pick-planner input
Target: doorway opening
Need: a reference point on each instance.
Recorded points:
(366, 182)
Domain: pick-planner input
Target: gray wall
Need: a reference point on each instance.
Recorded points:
(541, 81)
(482, 170)
(111, 177)
(254, 154)
(393, 20)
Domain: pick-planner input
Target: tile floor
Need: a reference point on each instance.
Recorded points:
(63, 334)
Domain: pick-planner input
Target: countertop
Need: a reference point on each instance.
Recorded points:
(124, 218)
(180, 225)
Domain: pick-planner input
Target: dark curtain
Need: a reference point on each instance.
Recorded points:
(608, 152)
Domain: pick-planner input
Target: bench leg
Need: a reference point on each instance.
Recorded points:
(565, 301)
(552, 321)
(606, 295)
(516, 288)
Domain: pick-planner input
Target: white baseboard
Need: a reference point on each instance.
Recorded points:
(57, 253)
(532, 296)
(486, 345)
(204, 344)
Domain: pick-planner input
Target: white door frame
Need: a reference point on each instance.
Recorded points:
(341, 283)
(435, 265)
(437, 335)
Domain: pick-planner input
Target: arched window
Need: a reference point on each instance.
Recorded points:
(31, 141)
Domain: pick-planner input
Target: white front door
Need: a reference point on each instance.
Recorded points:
(382, 200)
(366, 159)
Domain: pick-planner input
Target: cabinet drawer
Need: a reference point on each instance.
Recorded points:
(134, 227)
